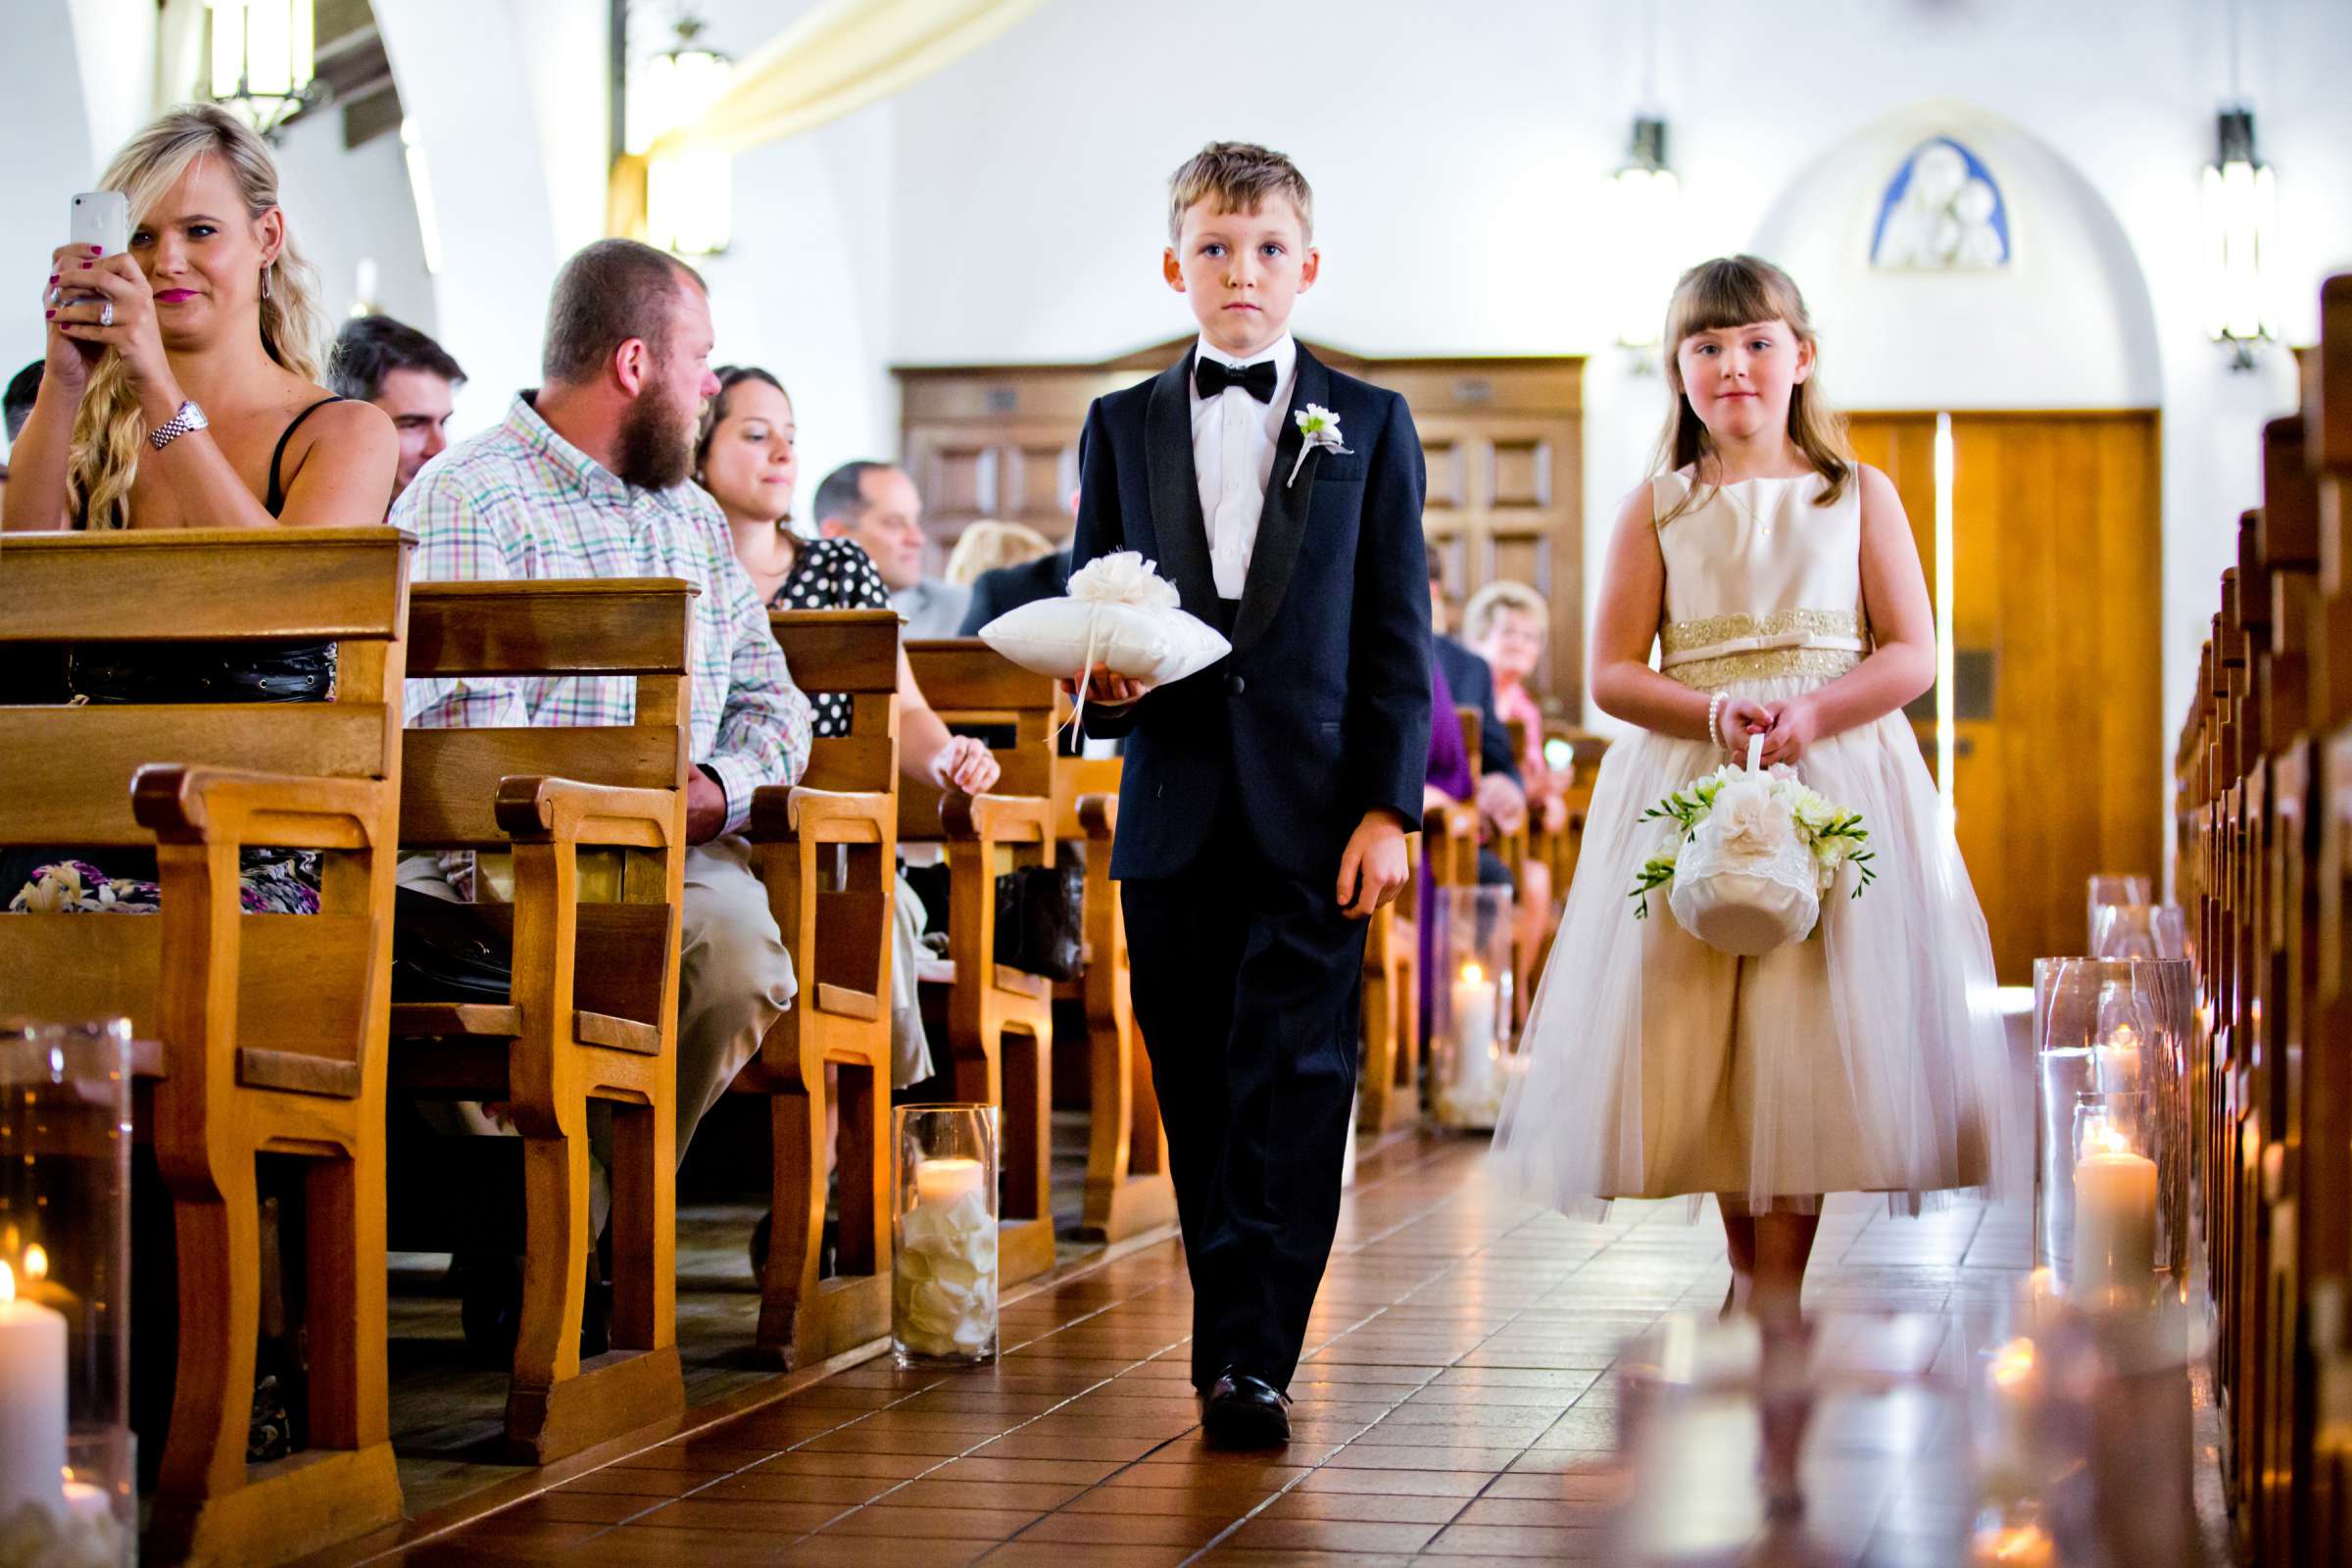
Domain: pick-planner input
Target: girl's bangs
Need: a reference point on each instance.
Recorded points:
(1724, 294)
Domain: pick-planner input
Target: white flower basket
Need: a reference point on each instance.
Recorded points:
(1750, 852)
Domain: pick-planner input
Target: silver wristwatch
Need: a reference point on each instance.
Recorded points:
(189, 418)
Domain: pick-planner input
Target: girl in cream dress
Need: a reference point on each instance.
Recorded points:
(1781, 584)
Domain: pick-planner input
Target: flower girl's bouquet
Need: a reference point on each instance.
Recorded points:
(1750, 852)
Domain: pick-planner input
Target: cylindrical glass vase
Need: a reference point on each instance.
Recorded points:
(2107, 888)
(2138, 931)
(2122, 1029)
(1470, 981)
(943, 1300)
(65, 1462)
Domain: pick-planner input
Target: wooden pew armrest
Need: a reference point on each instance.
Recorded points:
(997, 818)
(535, 809)
(1098, 814)
(1457, 819)
(782, 812)
(216, 806)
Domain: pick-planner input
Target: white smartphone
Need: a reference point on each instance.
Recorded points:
(101, 217)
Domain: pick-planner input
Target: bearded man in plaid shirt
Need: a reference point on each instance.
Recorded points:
(587, 478)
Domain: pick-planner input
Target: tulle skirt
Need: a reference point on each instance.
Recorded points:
(1869, 1057)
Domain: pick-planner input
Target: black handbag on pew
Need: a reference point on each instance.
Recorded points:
(1041, 920)
(442, 951)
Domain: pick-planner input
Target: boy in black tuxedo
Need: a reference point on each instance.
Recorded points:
(1265, 801)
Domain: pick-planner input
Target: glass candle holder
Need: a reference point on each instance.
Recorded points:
(2138, 931)
(1470, 985)
(66, 1460)
(943, 1300)
(2107, 888)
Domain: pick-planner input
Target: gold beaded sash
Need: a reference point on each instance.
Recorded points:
(1719, 650)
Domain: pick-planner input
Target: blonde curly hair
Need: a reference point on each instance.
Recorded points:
(108, 431)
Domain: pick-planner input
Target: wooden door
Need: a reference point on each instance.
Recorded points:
(2054, 617)
(1503, 440)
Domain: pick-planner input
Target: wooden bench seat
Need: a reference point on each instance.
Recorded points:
(266, 1034)
(593, 1011)
(827, 851)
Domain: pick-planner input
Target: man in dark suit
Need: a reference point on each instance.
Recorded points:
(1265, 800)
(1006, 588)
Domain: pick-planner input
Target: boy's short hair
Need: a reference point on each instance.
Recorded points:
(1498, 599)
(1241, 175)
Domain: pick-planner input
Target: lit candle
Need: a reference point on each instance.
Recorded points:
(2118, 1061)
(2015, 1393)
(1474, 996)
(2115, 1223)
(2024, 1546)
(32, 1402)
(941, 1181)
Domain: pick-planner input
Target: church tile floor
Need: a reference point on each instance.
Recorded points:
(1457, 1406)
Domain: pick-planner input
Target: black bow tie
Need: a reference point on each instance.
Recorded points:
(1214, 376)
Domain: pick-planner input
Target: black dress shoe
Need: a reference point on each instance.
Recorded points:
(1245, 1412)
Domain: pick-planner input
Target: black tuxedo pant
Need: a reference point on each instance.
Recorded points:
(1249, 986)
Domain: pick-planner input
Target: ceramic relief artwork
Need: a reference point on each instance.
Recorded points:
(1942, 212)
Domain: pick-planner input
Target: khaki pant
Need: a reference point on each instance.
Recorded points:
(735, 979)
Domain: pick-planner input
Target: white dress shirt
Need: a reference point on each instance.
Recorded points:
(1233, 458)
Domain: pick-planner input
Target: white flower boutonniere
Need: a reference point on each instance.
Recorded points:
(1321, 428)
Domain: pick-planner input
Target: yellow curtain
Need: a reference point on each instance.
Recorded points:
(839, 57)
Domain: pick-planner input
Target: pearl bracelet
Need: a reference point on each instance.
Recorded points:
(1714, 714)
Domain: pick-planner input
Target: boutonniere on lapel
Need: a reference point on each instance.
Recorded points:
(1322, 429)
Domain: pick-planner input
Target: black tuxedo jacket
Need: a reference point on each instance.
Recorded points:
(1471, 679)
(1321, 712)
(1008, 588)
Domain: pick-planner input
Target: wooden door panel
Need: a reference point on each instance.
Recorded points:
(2056, 549)
(1519, 473)
(1442, 455)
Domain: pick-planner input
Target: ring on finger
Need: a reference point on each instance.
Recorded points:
(106, 313)
(57, 296)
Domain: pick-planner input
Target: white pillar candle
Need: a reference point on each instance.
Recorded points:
(2115, 1224)
(1474, 996)
(943, 1181)
(2118, 1061)
(32, 1402)
(2016, 1377)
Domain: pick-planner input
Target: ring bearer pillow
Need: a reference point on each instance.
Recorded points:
(1757, 850)
(1120, 614)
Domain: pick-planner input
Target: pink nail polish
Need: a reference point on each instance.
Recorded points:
(96, 250)
(52, 277)
(51, 316)
(86, 266)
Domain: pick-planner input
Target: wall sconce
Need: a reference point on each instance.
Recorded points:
(262, 60)
(689, 197)
(1644, 196)
(2241, 213)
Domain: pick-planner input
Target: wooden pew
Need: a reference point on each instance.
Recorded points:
(1000, 1020)
(593, 1014)
(266, 1033)
(828, 853)
(1128, 1185)
(2317, 472)
(2265, 813)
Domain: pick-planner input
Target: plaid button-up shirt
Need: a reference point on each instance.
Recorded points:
(520, 502)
